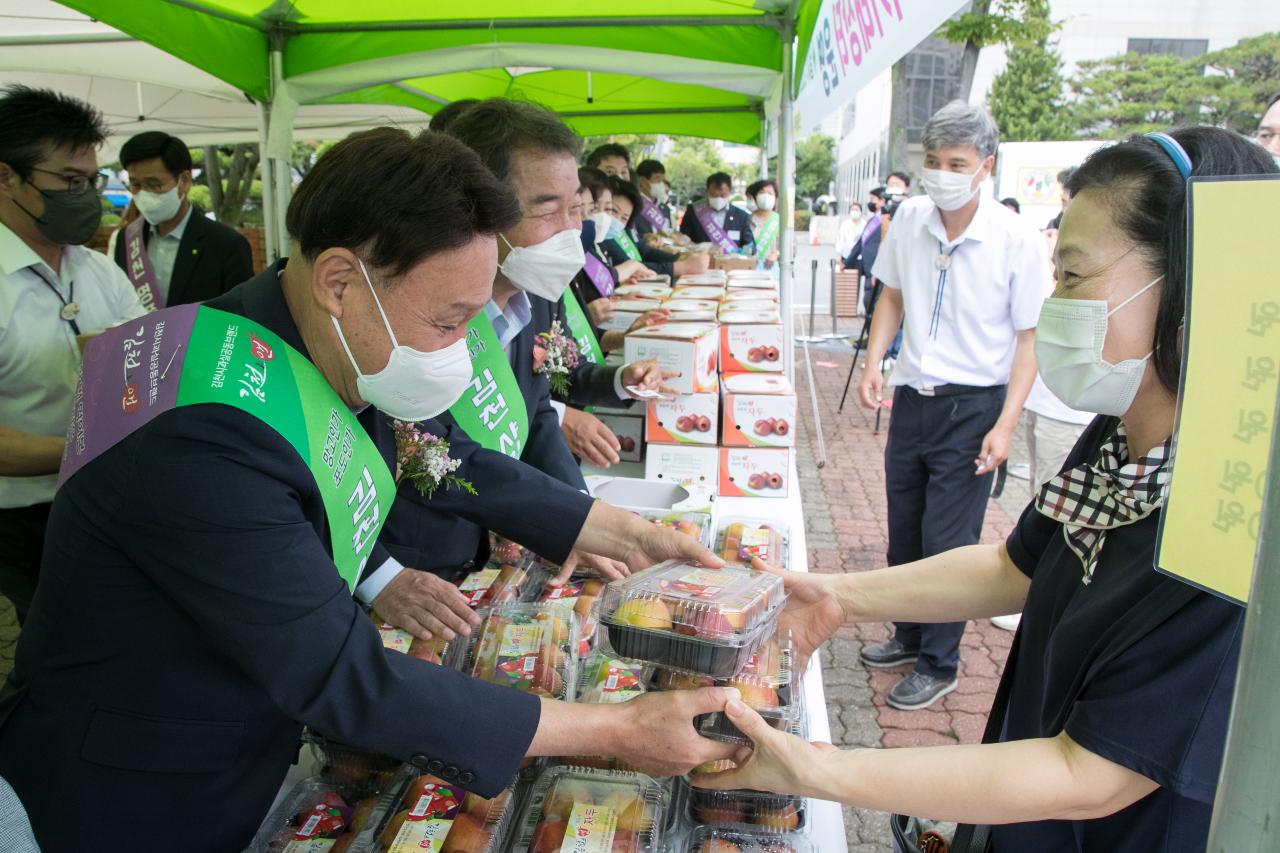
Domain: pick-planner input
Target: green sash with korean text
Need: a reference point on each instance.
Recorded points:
(491, 411)
(765, 239)
(628, 245)
(190, 355)
(580, 328)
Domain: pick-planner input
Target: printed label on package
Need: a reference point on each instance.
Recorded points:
(590, 830)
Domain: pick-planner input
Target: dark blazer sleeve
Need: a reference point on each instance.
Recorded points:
(614, 253)
(223, 518)
(658, 260)
(546, 449)
(691, 227)
(747, 237)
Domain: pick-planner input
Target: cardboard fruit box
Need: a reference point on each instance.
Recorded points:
(759, 410)
(755, 472)
(691, 349)
(688, 419)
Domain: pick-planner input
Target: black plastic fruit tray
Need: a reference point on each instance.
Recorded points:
(715, 658)
(748, 808)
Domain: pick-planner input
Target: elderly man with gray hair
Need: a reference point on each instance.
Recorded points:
(964, 276)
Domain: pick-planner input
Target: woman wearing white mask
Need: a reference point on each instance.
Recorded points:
(1109, 725)
(765, 222)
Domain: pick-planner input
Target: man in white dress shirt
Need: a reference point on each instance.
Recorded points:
(965, 277)
(52, 290)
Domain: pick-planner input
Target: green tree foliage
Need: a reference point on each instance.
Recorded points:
(689, 164)
(1138, 93)
(231, 175)
(640, 145)
(1027, 97)
(991, 22)
(815, 165)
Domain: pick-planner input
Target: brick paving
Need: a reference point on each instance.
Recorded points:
(845, 514)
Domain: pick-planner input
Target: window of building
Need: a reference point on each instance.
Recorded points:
(932, 76)
(1181, 48)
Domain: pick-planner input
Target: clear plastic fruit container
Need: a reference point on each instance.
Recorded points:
(500, 583)
(690, 618)
(578, 594)
(320, 814)
(606, 680)
(760, 810)
(504, 551)
(739, 539)
(599, 810)
(429, 813)
(350, 765)
(695, 524)
(527, 647)
(725, 839)
(435, 650)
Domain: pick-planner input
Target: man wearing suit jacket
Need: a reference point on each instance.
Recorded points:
(195, 605)
(172, 253)
(716, 221)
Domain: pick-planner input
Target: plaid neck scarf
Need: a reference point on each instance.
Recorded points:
(1089, 500)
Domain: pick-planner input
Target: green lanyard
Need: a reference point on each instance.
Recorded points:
(491, 411)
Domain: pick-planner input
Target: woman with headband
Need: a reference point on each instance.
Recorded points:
(1109, 724)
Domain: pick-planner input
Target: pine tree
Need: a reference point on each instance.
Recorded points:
(1027, 97)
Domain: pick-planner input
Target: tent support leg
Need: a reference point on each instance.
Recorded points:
(270, 246)
(787, 187)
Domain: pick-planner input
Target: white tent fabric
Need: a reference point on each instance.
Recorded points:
(45, 44)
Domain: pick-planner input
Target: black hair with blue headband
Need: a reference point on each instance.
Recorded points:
(1176, 152)
(1143, 183)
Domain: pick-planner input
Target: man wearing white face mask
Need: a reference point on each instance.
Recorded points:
(965, 279)
(716, 221)
(214, 519)
(651, 180)
(172, 253)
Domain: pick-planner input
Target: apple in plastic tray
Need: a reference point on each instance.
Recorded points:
(634, 815)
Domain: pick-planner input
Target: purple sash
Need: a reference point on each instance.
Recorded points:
(599, 275)
(714, 231)
(138, 266)
(650, 211)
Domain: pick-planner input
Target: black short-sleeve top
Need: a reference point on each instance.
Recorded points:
(1135, 666)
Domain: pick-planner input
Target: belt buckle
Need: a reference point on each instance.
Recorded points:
(926, 392)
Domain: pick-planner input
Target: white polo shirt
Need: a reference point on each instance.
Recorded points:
(39, 359)
(960, 329)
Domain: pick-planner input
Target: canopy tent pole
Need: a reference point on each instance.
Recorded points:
(787, 187)
(1246, 811)
(764, 146)
(280, 139)
(270, 248)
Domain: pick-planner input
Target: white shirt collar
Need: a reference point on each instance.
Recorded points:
(979, 229)
(508, 323)
(181, 227)
(15, 254)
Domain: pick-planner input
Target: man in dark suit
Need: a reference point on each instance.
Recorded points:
(172, 253)
(716, 221)
(862, 257)
(191, 615)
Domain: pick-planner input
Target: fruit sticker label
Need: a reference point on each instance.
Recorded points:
(396, 639)
(521, 640)
(699, 583)
(563, 594)
(590, 830)
(755, 543)
(475, 585)
(620, 682)
(429, 820)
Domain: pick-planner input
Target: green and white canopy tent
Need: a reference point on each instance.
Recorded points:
(712, 68)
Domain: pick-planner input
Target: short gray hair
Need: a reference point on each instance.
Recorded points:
(961, 123)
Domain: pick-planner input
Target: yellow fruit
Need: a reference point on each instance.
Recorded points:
(643, 613)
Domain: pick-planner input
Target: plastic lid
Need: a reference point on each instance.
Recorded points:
(502, 583)
(643, 291)
(695, 524)
(720, 839)
(608, 811)
(322, 813)
(430, 811)
(740, 539)
(674, 331)
(692, 600)
(528, 647)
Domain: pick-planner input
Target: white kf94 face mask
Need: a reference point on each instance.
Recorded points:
(414, 386)
(717, 202)
(1069, 339)
(949, 190)
(545, 269)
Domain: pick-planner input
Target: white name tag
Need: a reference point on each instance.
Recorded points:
(735, 235)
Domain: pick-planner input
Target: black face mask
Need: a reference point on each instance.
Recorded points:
(70, 219)
(873, 207)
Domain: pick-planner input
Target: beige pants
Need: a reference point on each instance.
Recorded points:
(1049, 440)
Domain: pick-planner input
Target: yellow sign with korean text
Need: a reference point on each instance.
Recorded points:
(1227, 402)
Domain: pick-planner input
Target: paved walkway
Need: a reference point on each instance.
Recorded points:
(845, 524)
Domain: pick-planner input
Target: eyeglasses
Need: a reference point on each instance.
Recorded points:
(77, 184)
